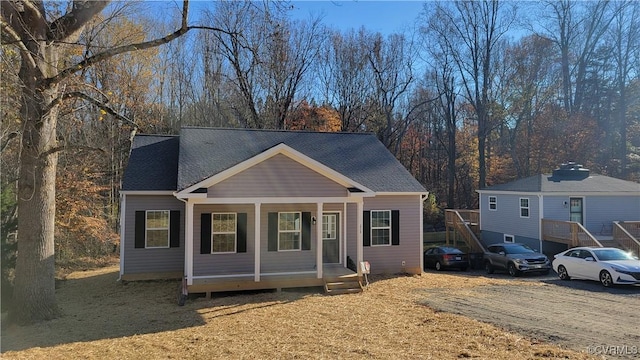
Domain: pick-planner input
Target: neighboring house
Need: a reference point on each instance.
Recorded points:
(231, 209)
(567, 208)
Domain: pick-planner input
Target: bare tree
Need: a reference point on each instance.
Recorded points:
(473, 30)
(41, 41)
(624, 37)
(346, 78)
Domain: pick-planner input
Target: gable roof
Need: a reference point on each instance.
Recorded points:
(153, 163)
(547, 183)
(205, 152)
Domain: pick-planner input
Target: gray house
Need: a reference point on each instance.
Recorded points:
(570, 207)
(234, 209)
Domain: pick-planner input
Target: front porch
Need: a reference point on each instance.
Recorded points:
(331, 273)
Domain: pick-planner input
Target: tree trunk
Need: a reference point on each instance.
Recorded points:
(34, 291)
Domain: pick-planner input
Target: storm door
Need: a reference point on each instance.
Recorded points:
(330, 238)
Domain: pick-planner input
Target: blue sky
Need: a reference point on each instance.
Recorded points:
(383, 16)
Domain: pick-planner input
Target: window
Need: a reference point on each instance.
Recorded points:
(508, 238)
(380, 227)
(493, 203)
(289, 233)
(157, 229)
(223, 226)
(524, 207)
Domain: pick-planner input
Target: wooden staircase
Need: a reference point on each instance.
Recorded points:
(342, 285)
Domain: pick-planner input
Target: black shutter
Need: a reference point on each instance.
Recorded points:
(273, 231)
(306, 231)
(174, 236)
(205, 233)
(395, 227)
(141, 229)
(241, 231)
(366, 229)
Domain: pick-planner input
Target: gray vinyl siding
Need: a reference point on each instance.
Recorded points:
(388, 259)
(139, 261)
(279, 176)
(223, 264)
(286, 261)
(506, 218)
(598, 210)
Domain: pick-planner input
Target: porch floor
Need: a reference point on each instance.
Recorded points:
(331, 272)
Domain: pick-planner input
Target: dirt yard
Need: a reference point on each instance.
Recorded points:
(107, 319)
(581, 315)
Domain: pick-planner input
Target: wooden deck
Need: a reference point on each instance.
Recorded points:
(331, 273)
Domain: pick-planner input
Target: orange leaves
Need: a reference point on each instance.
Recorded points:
(313, 118)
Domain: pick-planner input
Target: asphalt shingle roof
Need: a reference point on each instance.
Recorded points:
(547, 183)
(153, 163)
(204, 152)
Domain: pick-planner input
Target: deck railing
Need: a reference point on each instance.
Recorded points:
(627, 234)
(469, 216)
(568, 232)
(461, 224)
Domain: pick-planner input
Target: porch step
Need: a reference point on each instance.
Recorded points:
(347, 286)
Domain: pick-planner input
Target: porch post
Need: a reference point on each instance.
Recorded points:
(319, 239)
(343, 248)
(188, 242)
(256, 242)
(360, 235)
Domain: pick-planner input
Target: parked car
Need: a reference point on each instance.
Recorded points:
(607, 265)
(516, 259)
(445, 257)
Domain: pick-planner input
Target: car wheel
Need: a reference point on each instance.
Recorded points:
(563, 274)
(488, 268)
(512, 270)
(438, 266)
(605, 278)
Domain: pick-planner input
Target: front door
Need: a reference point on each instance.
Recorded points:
(330, 238)
(575, 210)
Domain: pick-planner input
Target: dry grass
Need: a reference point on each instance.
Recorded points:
(106, 319)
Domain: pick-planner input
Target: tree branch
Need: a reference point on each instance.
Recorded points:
(72, 22)
(70, 147)
(8, 33)
(102, 105)
(184, 28)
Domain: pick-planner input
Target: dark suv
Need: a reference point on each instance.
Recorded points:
(515, 259)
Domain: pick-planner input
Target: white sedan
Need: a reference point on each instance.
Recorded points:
(607, 265)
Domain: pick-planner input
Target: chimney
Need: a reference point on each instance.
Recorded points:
(570, 171)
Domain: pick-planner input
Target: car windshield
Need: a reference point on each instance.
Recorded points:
(612, 254)
(451, 250)
(518, 249)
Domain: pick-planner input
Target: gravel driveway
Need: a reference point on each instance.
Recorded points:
(580, 315)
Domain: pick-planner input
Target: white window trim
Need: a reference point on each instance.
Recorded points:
(513, 239)
(380, 227)
(290, 231)
(494, 202)
(528, 207)
(235, 234)
(147, 228)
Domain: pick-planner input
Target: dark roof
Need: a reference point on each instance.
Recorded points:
(153, 163)
(204, 152)
(547, 183)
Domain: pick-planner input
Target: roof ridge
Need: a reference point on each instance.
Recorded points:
(276, 130)
(158, 135)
